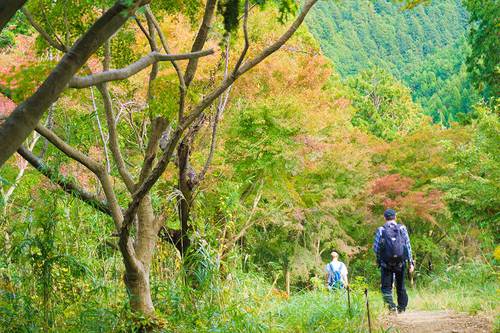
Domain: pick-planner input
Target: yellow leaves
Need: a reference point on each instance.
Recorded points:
(496, 253)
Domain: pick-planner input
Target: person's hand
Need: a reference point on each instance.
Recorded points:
(412, 268)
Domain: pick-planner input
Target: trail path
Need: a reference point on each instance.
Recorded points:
(437, 321)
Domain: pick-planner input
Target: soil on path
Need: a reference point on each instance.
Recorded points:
(437, 321)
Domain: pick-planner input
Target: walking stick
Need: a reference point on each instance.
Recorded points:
(349, 298)
(368, 311)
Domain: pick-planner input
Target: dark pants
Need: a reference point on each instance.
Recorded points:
(387, 280)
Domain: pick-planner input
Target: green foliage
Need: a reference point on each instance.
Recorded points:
(384, 106)
(473, 189)
(423, 47)
(23, 81)
(442, 85)
(258, 140)
(484, 61)
(122, 48)
(230, 10)
(17, 25)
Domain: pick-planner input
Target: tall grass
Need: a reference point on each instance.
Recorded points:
(470, 287)
(245, 302)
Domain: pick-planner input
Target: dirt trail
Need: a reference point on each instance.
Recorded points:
(437, 321)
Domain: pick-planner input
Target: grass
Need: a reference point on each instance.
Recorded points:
(246, 302)
(468, 287)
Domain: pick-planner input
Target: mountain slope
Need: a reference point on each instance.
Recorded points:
(423, 46)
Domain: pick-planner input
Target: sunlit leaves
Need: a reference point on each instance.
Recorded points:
(384, 106)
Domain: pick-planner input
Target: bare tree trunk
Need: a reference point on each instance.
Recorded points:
(137, 276)
(137, 283)
(186, 175)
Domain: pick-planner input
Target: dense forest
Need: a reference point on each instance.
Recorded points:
(189, 166)
(425, 48)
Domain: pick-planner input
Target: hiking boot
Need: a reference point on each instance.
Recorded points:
(401, 310)
(392, 309)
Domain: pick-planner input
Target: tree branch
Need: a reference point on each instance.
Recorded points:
(8, 9)
(93, 166)
(158, 126)
(68, 150)
(280, 42)
(66, 184)
(154, 47)
(182, 84)
(218, 113)
(126, 72)
(200, 40)
(148, 183)
(26, 116)
(146, 34)
(113, 139)
(113, 135)
(101, 133)
(247, 44)
(45, 35)
(209, 98)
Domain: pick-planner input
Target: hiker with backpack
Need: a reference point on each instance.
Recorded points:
(393, 250)
(336, 273)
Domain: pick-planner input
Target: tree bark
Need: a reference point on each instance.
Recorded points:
(8, 8)
(137, 283)
(186, 188)
(23, 120)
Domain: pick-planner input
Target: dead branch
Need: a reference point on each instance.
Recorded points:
(43, 33)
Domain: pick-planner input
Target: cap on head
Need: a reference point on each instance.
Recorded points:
(335, 254)
(390, 214)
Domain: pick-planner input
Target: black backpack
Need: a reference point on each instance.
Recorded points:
(392, 249)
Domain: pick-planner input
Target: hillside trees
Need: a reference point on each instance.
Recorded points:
(384, 106)
(138, 224)
(424, 48)
(484, 62)
(472, 189)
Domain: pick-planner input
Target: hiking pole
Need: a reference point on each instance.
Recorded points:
(368, 311)
(410, 273)
(349, 298)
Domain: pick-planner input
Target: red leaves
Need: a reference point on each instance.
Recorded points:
(392, 185)
(6, 106)
(395, 191)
